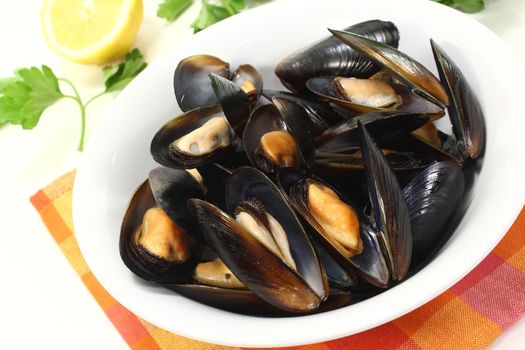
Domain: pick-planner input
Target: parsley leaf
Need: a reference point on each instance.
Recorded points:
(233, 6)
(469, 6)
(209, 14)
(171, 9)
(26, 96)
(118, 76)
(6, 82)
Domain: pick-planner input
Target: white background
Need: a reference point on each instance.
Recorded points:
(42, 301)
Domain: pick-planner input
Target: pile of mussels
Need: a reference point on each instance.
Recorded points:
(280, 203)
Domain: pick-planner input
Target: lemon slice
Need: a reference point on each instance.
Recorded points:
(91, 31)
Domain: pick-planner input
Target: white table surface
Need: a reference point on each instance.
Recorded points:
(43, 303)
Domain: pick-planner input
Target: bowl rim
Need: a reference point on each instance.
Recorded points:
(299, 328)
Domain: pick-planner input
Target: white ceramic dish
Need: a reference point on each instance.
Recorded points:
(117, 160)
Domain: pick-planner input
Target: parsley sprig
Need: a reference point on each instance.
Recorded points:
(26, 95)
(469, 6)
(212, 11)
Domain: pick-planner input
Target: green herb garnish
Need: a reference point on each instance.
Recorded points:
(469, 6)
(24, 97)
(212, 11)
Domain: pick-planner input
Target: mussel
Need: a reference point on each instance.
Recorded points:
(330, 57)
(399, 64)
(432, 198)
(203, 134)
(192, 139)
(158, 241)
(191, 83)
(465, 110)
(372, 94)
(271, 143)
(265, 246)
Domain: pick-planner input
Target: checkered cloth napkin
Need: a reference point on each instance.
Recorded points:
(470, 315)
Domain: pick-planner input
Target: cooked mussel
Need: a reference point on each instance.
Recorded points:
(371, 94)
(399, 64)
(192, 139)
(191, 82)
(389, 208)
(465, 110)
(157, 239)
(269, 142)
(295, 285)
(343, 229)
(330, 57)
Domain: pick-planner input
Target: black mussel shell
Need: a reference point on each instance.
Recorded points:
(466, 115)
(402, 66)
(235, 103)
(410, 101)
(432, 198)
(250, 80)
(369, 265)
(257, 267)
(178, 127)
(263, 120)
(138, 260)
(247, 183)
(191, 82)
(388, 207)
(332, 58)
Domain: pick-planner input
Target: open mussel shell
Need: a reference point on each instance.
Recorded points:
(368, 262)
(191, 82)
(247, 183)
(235, 103)
(410, 102)
(432, 198)
(385, 126)
(256, 266)
(171, 198)
(466, 115)
(215, 138)
(331, 57)
(250, 81)
(388, 207)
(402, 66)
(271, 144)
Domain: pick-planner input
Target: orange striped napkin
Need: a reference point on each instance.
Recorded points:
(470, 315)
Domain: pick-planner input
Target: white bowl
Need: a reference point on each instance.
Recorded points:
(117, 160)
